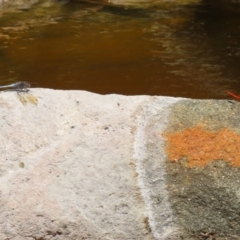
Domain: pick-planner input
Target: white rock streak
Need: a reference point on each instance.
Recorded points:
(151, 122)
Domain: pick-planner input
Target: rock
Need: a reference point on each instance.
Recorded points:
(78, 165)
(24, 7)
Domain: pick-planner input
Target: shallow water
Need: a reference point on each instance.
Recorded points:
(175, 50)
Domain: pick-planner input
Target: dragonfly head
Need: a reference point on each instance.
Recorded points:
(22, 85)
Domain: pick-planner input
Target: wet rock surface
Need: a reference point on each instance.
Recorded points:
(204, 192)
(206, 200)
(78, 165)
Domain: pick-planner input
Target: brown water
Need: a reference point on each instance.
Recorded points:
(176, 50)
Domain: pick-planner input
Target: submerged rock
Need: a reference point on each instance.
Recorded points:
(78, 165)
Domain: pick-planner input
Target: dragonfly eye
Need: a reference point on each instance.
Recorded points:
(26, 85)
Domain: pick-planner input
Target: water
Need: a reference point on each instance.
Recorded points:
(172, 50)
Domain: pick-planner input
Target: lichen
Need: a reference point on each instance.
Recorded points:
(201, 147)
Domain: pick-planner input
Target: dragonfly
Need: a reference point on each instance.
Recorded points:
(21, 86)
(22, 91)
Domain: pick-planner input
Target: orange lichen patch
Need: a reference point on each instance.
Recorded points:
(201, 147)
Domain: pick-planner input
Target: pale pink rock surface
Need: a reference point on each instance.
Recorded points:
(72, 167)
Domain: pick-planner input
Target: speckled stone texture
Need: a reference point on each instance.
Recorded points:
(79, 165)
(73, 167)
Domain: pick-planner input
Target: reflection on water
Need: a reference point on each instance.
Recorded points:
(176, 50)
